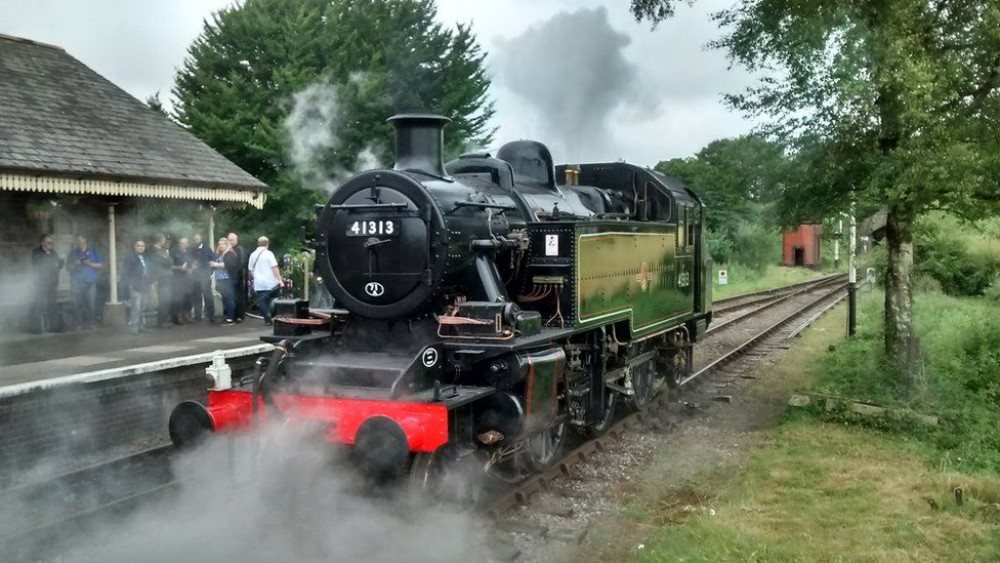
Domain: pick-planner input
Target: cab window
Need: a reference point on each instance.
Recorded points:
(682, 222)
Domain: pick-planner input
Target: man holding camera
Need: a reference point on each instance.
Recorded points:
(84, 264)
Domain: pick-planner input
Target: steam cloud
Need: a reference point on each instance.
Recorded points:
(279, 500)
(572, 69)
(312, 127)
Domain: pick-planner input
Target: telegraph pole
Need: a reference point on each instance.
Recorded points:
(852, 285)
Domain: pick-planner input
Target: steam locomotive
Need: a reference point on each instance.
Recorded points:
(484, 309)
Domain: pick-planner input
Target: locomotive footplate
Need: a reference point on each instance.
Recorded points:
(475, 347)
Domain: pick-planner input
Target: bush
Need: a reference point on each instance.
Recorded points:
(949, 262)
(749, 244)
(960, 341)
(720, 247)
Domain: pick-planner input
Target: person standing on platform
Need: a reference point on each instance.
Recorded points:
(84, 264)
(240, 278)
(224, 265)
(204, 301)
(161, 271)
(267, 282)
(181, 290)
(44, 310)
(135, 281)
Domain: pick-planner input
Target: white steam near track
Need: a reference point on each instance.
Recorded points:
(286, 503)
(573, 71)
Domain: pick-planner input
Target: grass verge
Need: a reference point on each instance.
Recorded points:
(745, 280)
(822, 492)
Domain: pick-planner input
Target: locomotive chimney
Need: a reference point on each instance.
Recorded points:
(420, 142)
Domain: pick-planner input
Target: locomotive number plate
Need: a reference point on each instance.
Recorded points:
(373, 227)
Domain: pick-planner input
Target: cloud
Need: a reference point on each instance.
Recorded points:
(139, 46)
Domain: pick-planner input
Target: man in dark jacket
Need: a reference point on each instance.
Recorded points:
(161, 271)
(182, 289)
(240, 282)
(44, 310)
(202, 276)
(135, 281)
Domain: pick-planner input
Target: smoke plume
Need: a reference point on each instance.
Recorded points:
(279, 498)
(573, 71)
(314, 145)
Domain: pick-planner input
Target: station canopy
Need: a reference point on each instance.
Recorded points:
(65, 129)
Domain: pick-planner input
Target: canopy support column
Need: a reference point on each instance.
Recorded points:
(112, 255)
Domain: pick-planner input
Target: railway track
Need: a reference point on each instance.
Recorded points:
(719, 372)
(42, 517)
(37, 516)
(725, 307)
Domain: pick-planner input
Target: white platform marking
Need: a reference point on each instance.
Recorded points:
(160, 349)
(229, 339)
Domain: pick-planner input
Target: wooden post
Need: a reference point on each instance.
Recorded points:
(307, 274)
(112, 255)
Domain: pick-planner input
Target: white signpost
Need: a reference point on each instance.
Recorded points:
(723, 277)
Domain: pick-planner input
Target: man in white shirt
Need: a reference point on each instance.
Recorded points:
(267, 282)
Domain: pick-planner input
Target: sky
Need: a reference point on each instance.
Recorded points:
(580, 75)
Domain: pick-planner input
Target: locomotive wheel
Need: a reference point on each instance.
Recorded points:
(544, 446)
(443, 477)
(599, 365)
(643, 385)
(680, 361)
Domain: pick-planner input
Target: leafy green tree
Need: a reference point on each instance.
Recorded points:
(738, 179)
(255, 63)
(891, 102)
(731, 175)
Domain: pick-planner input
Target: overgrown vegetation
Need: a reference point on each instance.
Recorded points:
(960, 341)
(737, 180)
(960, 262)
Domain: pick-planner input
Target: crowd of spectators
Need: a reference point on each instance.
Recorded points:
(179, 275)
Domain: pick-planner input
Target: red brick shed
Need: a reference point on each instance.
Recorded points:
(801, 246)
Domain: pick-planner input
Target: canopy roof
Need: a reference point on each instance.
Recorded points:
(66, 129)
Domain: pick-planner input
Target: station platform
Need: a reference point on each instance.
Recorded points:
(38, 361)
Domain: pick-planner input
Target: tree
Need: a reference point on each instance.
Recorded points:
(891, 102)
(257, 62)
(731, 175)
(738, 179)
